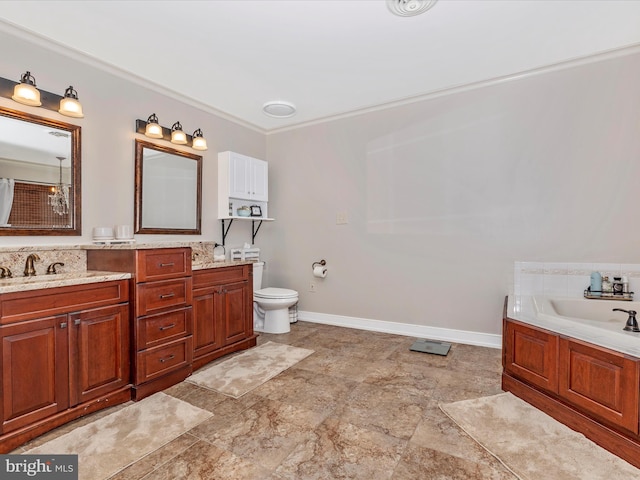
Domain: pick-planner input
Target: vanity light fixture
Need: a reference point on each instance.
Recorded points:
(69, 105)
(199, 142)
(59, 198)
(177, 135)
(153, 129)
(26, 92)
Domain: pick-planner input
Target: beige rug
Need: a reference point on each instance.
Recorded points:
(244, 372)
(115, 441)
(533, 445)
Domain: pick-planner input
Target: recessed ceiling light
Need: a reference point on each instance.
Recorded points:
(279, 109)
(408, 8)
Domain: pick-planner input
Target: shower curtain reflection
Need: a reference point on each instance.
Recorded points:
(6, 199)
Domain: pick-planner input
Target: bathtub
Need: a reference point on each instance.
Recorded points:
(593, 321)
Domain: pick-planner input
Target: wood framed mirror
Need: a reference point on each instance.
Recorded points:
(168, 190)
(40, 185)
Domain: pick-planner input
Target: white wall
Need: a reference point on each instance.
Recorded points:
(445, 194)
(442, 195)
(112, 103)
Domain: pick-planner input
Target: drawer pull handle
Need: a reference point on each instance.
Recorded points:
(167, 327)
(168, 295)
(167, 264)
(170, 357)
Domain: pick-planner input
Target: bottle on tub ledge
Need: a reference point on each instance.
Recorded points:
(607, 286)
(595, 289)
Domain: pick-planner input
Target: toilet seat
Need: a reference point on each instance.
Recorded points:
(275, 293)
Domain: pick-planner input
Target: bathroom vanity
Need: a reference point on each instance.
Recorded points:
(65, 353)
(135, 320)
(592, 389)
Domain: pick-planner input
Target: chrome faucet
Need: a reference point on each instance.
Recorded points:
(5, 272)
(29, 269)
(51, 269)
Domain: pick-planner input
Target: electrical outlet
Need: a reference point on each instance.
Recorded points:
(312, 287)
(342, 218)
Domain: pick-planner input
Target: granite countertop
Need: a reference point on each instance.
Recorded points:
(523, 309)
(20, 284)
(227, 263)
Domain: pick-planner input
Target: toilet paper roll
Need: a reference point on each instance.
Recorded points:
(319, 271)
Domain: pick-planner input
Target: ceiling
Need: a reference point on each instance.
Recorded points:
(328, 57)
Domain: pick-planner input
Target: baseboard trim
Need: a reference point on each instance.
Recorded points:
(407, 329)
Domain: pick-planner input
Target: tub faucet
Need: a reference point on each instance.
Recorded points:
(5, 272)
(51, 269)
(632, 323)
(29, 269)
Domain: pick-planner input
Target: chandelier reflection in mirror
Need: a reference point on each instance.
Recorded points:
(59, 199)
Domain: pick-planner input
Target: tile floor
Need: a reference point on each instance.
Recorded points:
(363, 406)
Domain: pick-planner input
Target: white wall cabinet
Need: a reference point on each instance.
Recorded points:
(242, 181)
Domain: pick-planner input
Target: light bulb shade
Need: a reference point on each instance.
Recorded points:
(26, 92)
(199, 142)
(69, 104)
(177, 135)
(153, 128)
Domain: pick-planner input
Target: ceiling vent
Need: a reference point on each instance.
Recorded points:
(279, 109)
(409, 8)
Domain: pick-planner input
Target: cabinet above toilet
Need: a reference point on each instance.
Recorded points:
(243, 181)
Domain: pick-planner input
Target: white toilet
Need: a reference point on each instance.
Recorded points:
(271, 305)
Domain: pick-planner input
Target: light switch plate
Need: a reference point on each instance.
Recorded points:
(342, 218)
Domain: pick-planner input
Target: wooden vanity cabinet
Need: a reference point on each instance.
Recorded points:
(222, 311)
(589, 388)
(61, 366)
(162, 321)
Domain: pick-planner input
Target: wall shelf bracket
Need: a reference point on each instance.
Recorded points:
(225, 231)
(254, 230)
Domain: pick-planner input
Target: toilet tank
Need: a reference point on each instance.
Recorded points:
(257, 275)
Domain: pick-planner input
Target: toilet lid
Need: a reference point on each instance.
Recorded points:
(272, 292)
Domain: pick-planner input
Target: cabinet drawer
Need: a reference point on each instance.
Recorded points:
(155, 297)
(158, 361)
(31, 304)
(164, 263)
(157, 329)
(217, 276)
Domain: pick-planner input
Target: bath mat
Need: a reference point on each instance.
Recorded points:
(241, 374)
(119, 439)
(431, 346)
(533, 445)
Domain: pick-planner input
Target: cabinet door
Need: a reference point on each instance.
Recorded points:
(600, 381)
(235, 315)
(98, 352)
(35, 370)
(239, 176)
(531, 355)
(259, 182)
(207, 334)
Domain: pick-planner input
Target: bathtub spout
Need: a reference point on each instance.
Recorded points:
(632, 323)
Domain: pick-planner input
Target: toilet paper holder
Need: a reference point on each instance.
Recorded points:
(321, 262)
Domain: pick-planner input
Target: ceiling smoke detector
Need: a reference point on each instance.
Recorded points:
(409, 8)
(279, 109)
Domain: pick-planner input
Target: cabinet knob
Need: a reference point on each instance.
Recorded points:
(77, 321)
(63, 325)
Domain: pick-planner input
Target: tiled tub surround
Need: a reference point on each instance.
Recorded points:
(568, 279)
